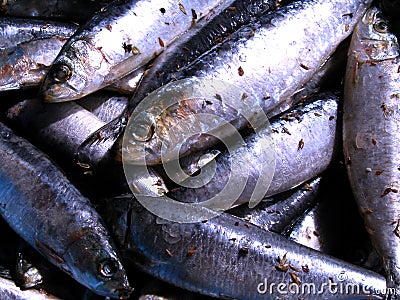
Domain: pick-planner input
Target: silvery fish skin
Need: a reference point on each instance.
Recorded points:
(104, 105)
(211, 30)
(289, 207)
(127, 85)
(54, 9)
(269, 60)
(222, 22)
(319, 228)
(371, 122)
(9, 291)
(328, 77)
(27, 50)
(62, 127)
(116, 41)
(243, 261)
(305, 140)
(57, 220)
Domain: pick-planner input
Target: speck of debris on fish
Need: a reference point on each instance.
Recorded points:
(301, 144)
(240, 71)
(371, 76)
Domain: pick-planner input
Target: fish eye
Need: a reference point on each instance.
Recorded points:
(143, 131)
(108, 268)
(381, 26)
(61, 73)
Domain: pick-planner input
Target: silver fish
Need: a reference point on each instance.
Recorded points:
(48, 212)
(9, 291)
(371, 124)
(226, 257)
(320, 230)
(27, 50)
(305, 140)
(286, 210)
(62, 127)
(218, 26)
(116, 41)
(208, 32)
(296, 48)
(105, 106)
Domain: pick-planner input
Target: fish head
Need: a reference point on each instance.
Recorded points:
(154, 138)
(143, 146)
(76, 72)
(97, 266)
(372, 38)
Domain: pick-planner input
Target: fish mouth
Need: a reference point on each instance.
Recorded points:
(51, 92)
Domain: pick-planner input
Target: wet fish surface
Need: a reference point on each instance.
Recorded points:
(62, 127)
(9, 291)
(104, 105)
(116, 41)
(198, 40)
(286, 210)
(28, 48)
(208, 32)
(271, 80)
(371, 124)
(242, 259)
(57, 220)
(304, 139)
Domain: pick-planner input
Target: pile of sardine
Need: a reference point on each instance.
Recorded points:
(326, 74)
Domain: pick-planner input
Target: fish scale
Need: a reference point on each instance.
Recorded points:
(314, 123)
(48, 212)
(116, 41)
(227, 258)
(270, 60)
(371, 125)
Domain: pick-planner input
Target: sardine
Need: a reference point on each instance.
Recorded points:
(27, 50)
(226, 257)
(48, 212)
(62, 127)
(116, 41)
(214, 28)
(9, 291)
(224, 21)
(328, 77)
(105, 106)
(292, 37)
(305, 141)
(319, 227)
(286, 210)
(371, 124)
(54, 9)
